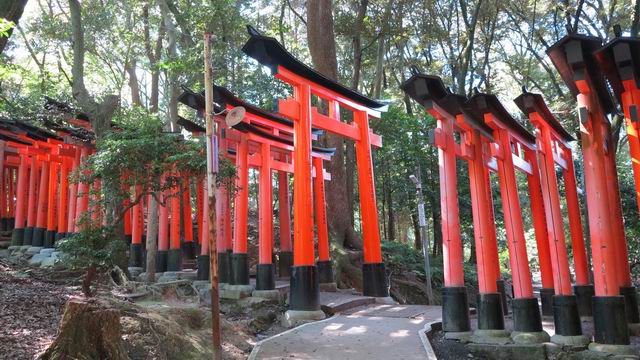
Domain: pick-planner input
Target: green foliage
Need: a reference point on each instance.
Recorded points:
(5, 27)
(93, 245)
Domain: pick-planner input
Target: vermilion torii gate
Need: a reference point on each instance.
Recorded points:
(475, 135)
(573, 56)
(553, 149)
(306, 83)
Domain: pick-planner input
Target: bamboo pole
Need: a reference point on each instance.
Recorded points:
(212, 152)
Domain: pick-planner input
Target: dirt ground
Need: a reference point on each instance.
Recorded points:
(173, 326)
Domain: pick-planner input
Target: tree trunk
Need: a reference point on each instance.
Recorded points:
(88, 280)
(152, 236)
(130, 67)
(635, 25)
(322, 46)
(391, 224)
(89, 330)
(172, 75)
(356, 44)
(11, 10)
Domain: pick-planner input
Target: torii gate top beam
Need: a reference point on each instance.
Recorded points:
(620, 61)
(573, 57)
(530, 102)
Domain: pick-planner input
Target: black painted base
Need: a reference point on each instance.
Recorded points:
(374, 280)
(566, 317)
(128, 239)
(174, 260)
(27, 238)
(304, 289)
(224, 273)
(189, 249)
(203, 267)
(503, 296)
(285, 262)
(161, 260)
(610, 320)
(546, 298)
(631, 304)
(584, 295)
(265, 277)
(490, 312)
(239, 269)
(11, 224)
(526, 315)
(60, 236)
(49, 238)
(17, 237)
(455, 309)
(325, 272)
(135, 255)
(38, 236)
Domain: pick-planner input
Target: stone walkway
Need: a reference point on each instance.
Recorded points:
(364, 333)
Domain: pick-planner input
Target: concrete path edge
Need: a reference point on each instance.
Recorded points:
(424, 332)
(256, 348)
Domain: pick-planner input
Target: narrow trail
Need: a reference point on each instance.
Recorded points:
(368, 332)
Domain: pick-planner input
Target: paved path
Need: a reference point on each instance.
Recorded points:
(368, 332)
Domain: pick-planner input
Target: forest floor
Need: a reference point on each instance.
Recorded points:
(170, 326)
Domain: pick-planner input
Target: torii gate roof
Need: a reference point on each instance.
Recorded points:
(483, 103)
(530, 102)
(269, 52)
(620, 60)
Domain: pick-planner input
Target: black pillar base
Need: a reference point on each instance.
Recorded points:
(224, 274)
(38, 236)
(128, 238)
(631, 304)
(526, 315)
(27, 238)
(17, 237)
(610, 320)
(285, 262)
(304, 289)
(49, 238)
(455, 309)
(325, 272)
(60, 236)
(584, 295)
(11, 223)
(546, 298)
(161, 260)
(203, 267)
(265, 277)
(3, 224)
(374, 280)
(189, 249)
(503, 296)
(490, 312)
(239, 269)
(135, 255)
(174, 260)
(566, 317)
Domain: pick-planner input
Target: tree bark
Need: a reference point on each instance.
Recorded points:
(152, 236)
(417, 239)
(635, 25)
(130, 67)
(322, 46)
(11, 10)
(174, 88)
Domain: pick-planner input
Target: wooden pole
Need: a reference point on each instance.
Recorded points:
(211, 177)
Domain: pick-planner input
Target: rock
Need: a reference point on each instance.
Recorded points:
(508, 352)
(47, 251)
(48, 262)
(134, 271)
(4, 253)
(187, 275)
(57, 254)
(5, 244)
(36, 260)
(14, 247)
(32, 250)
(293, 318)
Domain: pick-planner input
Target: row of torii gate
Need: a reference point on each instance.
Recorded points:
(268, 141)
(36, 193)
(490, 140)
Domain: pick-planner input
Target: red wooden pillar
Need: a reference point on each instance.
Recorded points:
(82, 204)
(17, 237)
(373, 271)
(174, 259)
(239, 261)
(63, 199)
(73, 193)
(187, 216)
(222, 235)
(285, 257)
(199, 206)
(324, 267)
(163, 232)
(52, 190)
(41, 217)
(489, 300)
(137, 229)
(34, 174)
(265, 270)
(127, 218)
